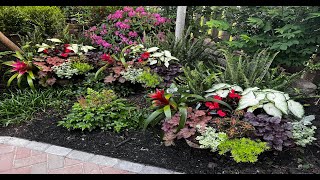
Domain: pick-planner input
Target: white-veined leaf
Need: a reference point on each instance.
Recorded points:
(296, 108)
(152, 49)
(222, 93)
(218, 87)
(157, 54)
(247, 100)
(153, 61)
(237, 88)
(248, 90)
(281, 103)
(167, 53)
(270, 109)
(55, 40)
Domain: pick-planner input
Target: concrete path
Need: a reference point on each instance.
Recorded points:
(20, 156)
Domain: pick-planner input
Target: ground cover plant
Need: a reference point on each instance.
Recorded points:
(123, 87)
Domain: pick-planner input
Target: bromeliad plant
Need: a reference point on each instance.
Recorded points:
(22, 67)
(168, 104)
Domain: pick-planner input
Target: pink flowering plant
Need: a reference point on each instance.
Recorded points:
(126, 27)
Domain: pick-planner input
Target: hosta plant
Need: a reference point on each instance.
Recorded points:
(274, 103)
(22, 67)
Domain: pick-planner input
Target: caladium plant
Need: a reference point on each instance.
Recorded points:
(274, 103)
(222, 90)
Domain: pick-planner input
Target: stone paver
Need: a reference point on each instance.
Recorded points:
(57, 150)
(19, 156)
(83, 156)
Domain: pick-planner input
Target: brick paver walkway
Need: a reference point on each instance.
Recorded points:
(19, 156)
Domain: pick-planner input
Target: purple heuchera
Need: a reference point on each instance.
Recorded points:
(275, 131)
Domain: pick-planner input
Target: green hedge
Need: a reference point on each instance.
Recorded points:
(22, 19)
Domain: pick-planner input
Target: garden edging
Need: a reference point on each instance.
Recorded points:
(86, 157)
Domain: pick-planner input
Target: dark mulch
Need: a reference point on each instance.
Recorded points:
(148, 148)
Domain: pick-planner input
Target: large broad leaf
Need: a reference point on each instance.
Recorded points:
(152, 117)
(86, 48)
(260, 95)
(166, 64)
(246, 91)
(156, 54)
(167, 53)
(252, 108)
(237, 88)
(183, 117)
(270, 109)
(153, 61)
(222, 93)
(218, 86)
(281, 103)
(296, 108)
(74, 48)
(167, 111)
(247, 100)
(152, 49)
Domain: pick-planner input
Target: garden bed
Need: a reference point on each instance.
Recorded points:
(148, 148)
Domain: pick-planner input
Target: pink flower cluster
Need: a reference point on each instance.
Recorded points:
(123, 28)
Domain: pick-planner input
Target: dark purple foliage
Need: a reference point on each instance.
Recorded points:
(168, 74)
(275, 131)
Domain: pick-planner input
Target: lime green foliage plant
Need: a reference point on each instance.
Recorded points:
(149, 79)
(82, 67)
(102, 110)
(243, 150)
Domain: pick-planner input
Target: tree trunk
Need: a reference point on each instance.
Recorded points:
(7, 42)
(180, 22)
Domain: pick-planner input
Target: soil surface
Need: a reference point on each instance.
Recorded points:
(147, 147)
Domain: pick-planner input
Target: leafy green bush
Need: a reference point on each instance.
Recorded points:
(20, 106)
(303, 131)
(149, 79)
(243, 150)
(23, 19)
(102, 110)
(81, 67)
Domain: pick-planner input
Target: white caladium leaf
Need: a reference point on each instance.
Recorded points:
(286, 96)
(247, 100)
(249, 90)
(86, 48)
(55, 40)
(74, 48)
(210, 94)
(271, 90)
(218, 87)
(270, 109)
(280, 102)
(222, 93)
(167, 53)
(296, 108)
(260, 96)
(166, 64)
(157, 54)
(174, 58)
(237, 88)
(152, 49)
(41, 49)
(271, 96)
(153, 61)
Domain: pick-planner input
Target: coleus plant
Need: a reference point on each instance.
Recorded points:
(22, 67)
(274, 103)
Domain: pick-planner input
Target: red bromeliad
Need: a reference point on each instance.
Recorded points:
(20, 66)
(158, 98)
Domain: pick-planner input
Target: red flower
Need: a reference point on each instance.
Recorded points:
(140, 60)
(64, 55)
(211, 105)
(20, 67)
(221, 113)
(67, 50)
(217, 97)
(158, 98)
(107, 57)
(45, 51)
(233, 95)
(145, 55)
(66, 45)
